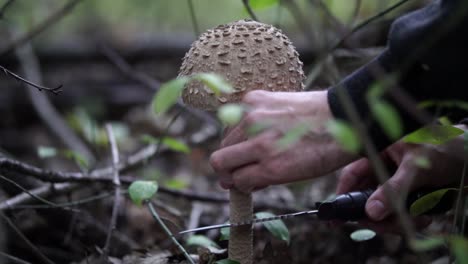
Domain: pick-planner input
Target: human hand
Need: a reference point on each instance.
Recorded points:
(249, 163)
(444, 169)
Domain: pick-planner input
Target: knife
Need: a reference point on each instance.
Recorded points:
(345, 207)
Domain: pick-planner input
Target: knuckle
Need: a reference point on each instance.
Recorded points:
(253, 97)
(252, 117)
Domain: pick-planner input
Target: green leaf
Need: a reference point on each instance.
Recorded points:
(142, 190)
(428, 201)
(387, 117)
(215, 82)
(459, 246)
(276, 227)
(79, 159)
(176, 184)
(362, 235)
(463, 105)
(46, 152)
(427, 244)
(344, 134)
(225, 233)
(422, 162)
(435, 135)
(292, 136)
(168, 94)
(171, 143)
(259, 4)
(230, 114)
(201, 241)
(227, 261)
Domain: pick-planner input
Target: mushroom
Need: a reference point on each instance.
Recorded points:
(251, 56)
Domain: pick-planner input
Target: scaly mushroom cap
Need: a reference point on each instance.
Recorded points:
(249, 54)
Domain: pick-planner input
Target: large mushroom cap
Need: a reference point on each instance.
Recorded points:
(249, 54)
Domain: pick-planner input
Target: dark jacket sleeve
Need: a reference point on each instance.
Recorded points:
(428, 51)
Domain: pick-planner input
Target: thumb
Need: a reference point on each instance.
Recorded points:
(378, 205)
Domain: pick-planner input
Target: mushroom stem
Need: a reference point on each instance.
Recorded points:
(241, 238)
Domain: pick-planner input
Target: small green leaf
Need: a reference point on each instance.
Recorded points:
(171, 143)
(201, 241)
(362, 235)
(176, 184)
(459, 246)
(142, 190)
(168, 94)
(227, 261)
(422, 162)
(427, 244)
(46, 152)
(258, 127)
(387, 117)
(428, 201)
(81, 160)
(225, 233)
(435, 135)
(230, 114)
(292, 136)
(259, 4)
(215, 82)
(276, 227)
(344, 134)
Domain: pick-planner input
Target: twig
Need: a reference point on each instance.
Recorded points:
(101, 175)
(128, 71)
(193, 17)
(28, 192)
(49, 21)
(49, 115)
(372, 154)
(459, 202)
(13, 259)
(168, 232)
(5, 7)
(67, 204)
(367, 22)
(149, 82)
(43, 190)
(321, 58)
(116, 182)
(249, 10)
(36, 251)
(55, 90)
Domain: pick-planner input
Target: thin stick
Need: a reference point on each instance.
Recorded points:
(49, 21)
(13, 259)
(149, 82)
(35, 250)
(193, 17)
(28, 192)
(5, 7)
(367, 22)
(168, 232)
(250, 10)
(55, 90)
(116, 182)
(459, 202)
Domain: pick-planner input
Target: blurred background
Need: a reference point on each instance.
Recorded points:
(111, 56)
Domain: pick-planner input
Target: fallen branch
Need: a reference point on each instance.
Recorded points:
(116, 182)
(55, 90)
(49, 21)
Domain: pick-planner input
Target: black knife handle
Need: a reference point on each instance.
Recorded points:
(351, 206)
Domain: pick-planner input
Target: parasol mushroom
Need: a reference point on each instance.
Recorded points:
(250, 56)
